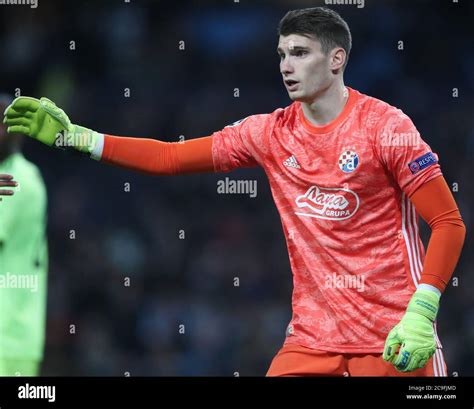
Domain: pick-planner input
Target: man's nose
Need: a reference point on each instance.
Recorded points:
(286, 67)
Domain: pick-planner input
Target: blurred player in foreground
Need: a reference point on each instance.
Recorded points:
(349, 175)
(23, 262)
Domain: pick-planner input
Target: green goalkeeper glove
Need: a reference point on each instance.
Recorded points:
(44, 121)
(414, 334)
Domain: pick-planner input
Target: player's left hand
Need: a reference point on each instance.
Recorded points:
(414, 334)
(7, 181)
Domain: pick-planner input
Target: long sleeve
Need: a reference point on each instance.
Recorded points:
(159, 158)
(436, 205)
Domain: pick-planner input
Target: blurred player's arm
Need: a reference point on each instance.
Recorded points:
(6, 181)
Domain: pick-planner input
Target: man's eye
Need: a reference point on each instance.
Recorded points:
(301, 53)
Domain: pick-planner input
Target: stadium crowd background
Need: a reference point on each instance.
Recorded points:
(190, 281)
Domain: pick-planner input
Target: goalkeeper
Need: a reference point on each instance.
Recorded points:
(348, 193)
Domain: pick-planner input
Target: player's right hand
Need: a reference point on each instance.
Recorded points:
(39, 119)
(414, 337)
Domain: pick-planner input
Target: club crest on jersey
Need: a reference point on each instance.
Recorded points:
(348, 161)
(328, 203)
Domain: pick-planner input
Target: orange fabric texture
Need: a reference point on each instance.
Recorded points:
(295, 360)
(435, 204)
(159, 158)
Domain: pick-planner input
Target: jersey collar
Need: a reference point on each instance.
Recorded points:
(310, 127)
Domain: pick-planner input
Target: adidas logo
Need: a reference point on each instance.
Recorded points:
(291, 162)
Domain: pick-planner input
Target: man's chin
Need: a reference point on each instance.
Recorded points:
(296, 96)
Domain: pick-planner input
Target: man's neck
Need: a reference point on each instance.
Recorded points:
(327, 106)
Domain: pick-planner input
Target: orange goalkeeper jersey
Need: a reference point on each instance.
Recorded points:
(342, 191)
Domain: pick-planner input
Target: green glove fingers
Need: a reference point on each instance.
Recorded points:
(414, 334)
(19, 125)
(24, 104)
(18, 118)
(24, 115)
(392, 344)
(45, 121)
(13, 114)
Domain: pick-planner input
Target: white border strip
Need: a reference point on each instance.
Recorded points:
(411, 241)
(416, 237)
(407, 242)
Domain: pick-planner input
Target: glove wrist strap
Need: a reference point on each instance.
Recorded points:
(426, 303)
(79, 138)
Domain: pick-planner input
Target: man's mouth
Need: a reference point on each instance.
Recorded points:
(291, 85)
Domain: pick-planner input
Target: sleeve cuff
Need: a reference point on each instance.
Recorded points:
(96, 153)
(429, 288)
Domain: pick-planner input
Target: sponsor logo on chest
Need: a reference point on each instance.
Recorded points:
(328, 203)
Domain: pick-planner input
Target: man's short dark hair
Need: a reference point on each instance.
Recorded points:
(319, 23)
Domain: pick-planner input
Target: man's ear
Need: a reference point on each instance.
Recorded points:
(338, 59)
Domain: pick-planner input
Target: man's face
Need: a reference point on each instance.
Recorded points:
(305, 68)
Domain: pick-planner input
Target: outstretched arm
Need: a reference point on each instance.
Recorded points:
(44, 121)
(156, 157)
